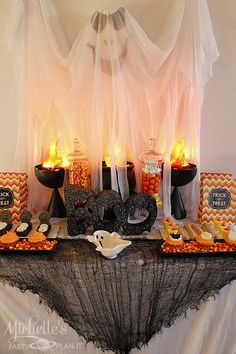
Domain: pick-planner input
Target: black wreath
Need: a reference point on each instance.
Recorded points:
(79, 204)
(139, 201)
(112, 200)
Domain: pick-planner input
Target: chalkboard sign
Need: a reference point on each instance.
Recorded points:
(219, 198)
(6, 198)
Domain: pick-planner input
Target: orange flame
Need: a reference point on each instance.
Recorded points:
(55, 159)
(178, 159)
(119, 156)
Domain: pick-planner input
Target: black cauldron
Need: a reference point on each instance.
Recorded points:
(179, 178)
(106, 177)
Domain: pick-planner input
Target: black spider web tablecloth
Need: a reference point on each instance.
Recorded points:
(118, 304)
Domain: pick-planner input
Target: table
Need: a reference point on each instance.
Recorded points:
(215, 327)
(118, 305)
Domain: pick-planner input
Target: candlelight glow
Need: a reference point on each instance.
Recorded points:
(178, 156)
(119, 156)
(55, 159)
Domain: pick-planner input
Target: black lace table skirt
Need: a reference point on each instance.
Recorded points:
(118, 304)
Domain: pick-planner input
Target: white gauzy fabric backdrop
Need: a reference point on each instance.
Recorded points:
(114, 87)
(211, 330)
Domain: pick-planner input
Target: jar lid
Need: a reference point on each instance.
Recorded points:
(76, 154)
(151, 156)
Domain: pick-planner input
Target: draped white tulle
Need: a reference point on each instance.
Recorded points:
(114, 88)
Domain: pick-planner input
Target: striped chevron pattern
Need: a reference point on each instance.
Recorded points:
(17, 183)
(217, 180)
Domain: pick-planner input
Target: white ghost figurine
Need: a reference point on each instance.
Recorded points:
(109, 244)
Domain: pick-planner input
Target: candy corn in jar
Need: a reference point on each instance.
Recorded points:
(151, 171)
(79, 169)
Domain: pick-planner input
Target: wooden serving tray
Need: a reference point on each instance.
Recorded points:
(189, 230)
(220, 247)
(21, 246)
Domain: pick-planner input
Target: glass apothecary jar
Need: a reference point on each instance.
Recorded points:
(151, 171)
(79, 169)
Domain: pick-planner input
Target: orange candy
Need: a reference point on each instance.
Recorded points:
(150, 183)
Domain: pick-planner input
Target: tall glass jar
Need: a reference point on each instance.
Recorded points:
(151, 171)
(79, 169)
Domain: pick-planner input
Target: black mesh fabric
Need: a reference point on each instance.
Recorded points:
(118, 304)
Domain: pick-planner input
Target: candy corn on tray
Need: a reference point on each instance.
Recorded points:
(193, 248)
(24, 245)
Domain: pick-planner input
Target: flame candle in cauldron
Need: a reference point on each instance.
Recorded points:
(178, 159)
(51, 174)
(182, 173)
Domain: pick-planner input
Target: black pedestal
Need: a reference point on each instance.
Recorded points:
(54, 179)
(56, 207)
(177, 205)
(180, 178)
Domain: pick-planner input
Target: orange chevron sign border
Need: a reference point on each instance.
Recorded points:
(225, 185)
(17, 183)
